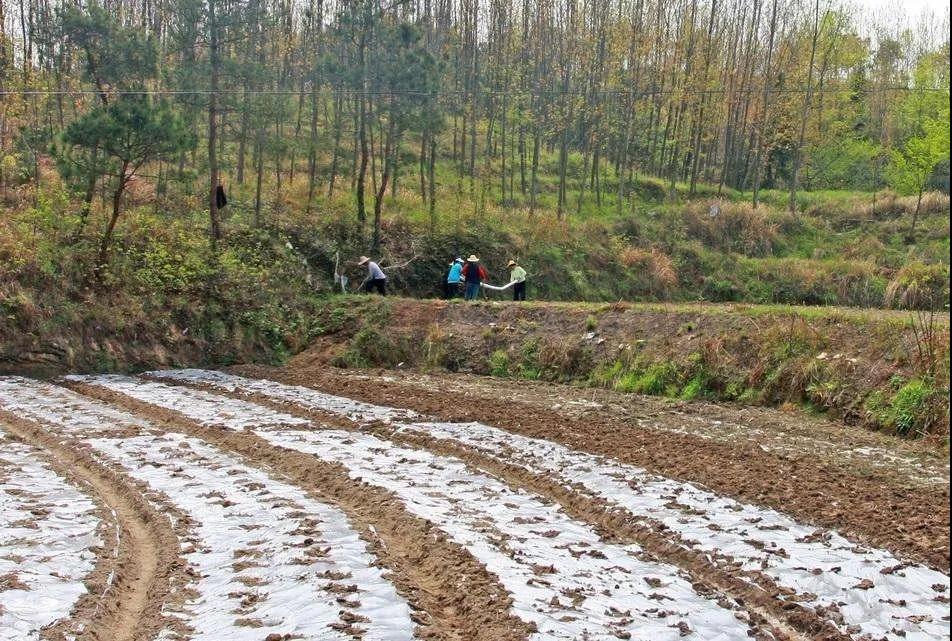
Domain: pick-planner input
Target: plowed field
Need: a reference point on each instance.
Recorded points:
(266, 505)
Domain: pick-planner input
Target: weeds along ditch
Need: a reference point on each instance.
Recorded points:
(886, 370)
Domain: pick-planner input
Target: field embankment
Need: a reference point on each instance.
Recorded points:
(885, 370)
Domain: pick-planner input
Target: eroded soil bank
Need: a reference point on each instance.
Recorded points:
(884, 370)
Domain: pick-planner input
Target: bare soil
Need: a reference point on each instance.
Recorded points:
(893, 509)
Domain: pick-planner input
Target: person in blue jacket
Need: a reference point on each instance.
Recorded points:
(454, 279)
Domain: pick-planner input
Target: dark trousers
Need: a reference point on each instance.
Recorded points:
(451, 290)
(519, 291)
(472, 290)
(380, 284)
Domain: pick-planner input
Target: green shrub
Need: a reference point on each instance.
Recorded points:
(658, 379)
(370, 348)
(909, 404)
(606, 374)
(909, 411)
(695, 388)
(626, 382)
(529, 367)
(499, 363)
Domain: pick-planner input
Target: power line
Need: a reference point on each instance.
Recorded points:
(444, 93)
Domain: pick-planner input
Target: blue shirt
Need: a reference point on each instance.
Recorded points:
(456, 273)
(375, 272)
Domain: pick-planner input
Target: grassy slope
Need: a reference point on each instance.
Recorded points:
(844, 248)
(863, 366)
(165, 299)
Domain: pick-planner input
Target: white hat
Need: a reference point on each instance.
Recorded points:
(363, 260)
(472, 258)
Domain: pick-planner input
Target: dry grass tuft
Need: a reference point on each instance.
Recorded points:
(733, 227)
(918, 286)
(657, 265)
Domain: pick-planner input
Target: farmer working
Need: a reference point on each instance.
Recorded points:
(454, 278)
(475, 274)
(376, 278)
(517, 276)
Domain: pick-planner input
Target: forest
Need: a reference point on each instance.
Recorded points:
(791, 151)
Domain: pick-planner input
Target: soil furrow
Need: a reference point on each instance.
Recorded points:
(712, 572)
(833, 497)
(493, 504)
(455, 596)
(148, 562)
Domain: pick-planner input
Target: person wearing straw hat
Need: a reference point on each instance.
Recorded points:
(475, 274)
(517, 276)
(376, 279)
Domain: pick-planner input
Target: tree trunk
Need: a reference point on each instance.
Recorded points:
(102, 259)
(215, 63)
(761, 130)
(804, 114)
(388, 153)
(362, 136)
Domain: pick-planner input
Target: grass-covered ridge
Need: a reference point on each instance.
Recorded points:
(886, 370)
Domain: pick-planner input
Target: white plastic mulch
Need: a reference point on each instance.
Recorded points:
(46, 403)
(207, 409)
(268, 559)
(876, 594)
(561, 575)
(303, 396)
(47, 535)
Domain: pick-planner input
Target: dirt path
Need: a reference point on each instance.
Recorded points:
(908, 519)
(454, 596)
(129, 610)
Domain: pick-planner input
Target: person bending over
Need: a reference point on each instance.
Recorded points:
(376, 278)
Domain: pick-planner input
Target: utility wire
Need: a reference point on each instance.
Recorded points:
(401, 92)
